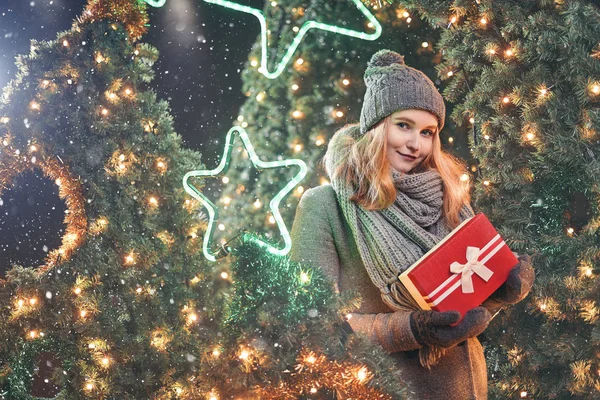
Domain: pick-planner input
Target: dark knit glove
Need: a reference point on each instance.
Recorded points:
(519, 282)
(433, 328)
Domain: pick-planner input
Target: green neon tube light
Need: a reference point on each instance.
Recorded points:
(222, 169)
(303, 30)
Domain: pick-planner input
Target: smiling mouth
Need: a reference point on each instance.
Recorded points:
(407, 156)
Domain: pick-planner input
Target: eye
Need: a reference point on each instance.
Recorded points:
(402, 124)
(428, 131)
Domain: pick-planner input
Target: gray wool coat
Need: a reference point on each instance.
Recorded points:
(322, 238)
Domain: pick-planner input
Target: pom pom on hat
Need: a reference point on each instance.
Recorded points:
(383, 58)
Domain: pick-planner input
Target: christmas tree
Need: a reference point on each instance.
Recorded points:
(127, 306)
(526, 77)
(319, 91)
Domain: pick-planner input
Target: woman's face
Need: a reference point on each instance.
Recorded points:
(409, 137)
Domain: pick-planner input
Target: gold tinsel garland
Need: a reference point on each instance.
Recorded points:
(314, 371)
(17, 161)
(132, 14)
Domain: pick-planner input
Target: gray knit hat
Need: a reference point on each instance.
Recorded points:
(393, 86)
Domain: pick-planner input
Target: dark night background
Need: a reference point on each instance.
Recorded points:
(202, 48)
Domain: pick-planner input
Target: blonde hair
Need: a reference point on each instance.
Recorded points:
(364, 165)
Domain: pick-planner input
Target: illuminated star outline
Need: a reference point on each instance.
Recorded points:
(258, 164)
(303, 30)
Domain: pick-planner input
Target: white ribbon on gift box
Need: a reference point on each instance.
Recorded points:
(473, 265)
(497, 243)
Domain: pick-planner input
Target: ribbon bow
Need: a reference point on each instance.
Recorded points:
(472, 266)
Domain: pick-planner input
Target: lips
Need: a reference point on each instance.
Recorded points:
(407, 156)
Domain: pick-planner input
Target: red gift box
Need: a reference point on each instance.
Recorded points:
(462, 270)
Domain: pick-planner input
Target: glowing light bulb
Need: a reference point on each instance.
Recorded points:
(297, 114)
(408, 20)
(254, 62)
(453, 20)
(20, 302)
(34, 106)
(509, 53)
(295, 87)
(311, 359)
(405, 14)
(89, 386)
(129, 259)
(300, 61)
(570, 231)
(77, 290)
(32, 301)
(486, 183)
(492, 51)
(221, 227)
(483, 21)
(319, 141)
(472, 120)
(450, 73)
(450, 139)
(530, 135)
(128, 91)
(588, 272)
(300, 189)
(304, 277)
(346, 82)
(339, 114)
(244, 355)
(153, 201)
(543, 306)
(216, 353)
(104, 112)
(226, 200)
(92, 346)
(32, 334)
(193, 317)
(424, 45)
(33, 148)
(257, 203)
(506, 100)
(105, 361)
(523, 394)
(362, 374)
(225, 179)
(65, 43)
(45, 83)
(271, 219)
(464, 177)
(313, 390)
(138, 290)
(596, 89)
(224, 275)
(99, 58)
(260, 97)
(298, 148)
(4, 120)
(83, 313)
(543, 91)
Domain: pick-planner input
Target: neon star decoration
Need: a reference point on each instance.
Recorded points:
(222, 169)
(298, 38)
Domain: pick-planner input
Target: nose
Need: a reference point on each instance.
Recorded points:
(414, 142)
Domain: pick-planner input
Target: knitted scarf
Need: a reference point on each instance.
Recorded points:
(391, 240)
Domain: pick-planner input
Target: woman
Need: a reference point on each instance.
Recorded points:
(393, 195)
